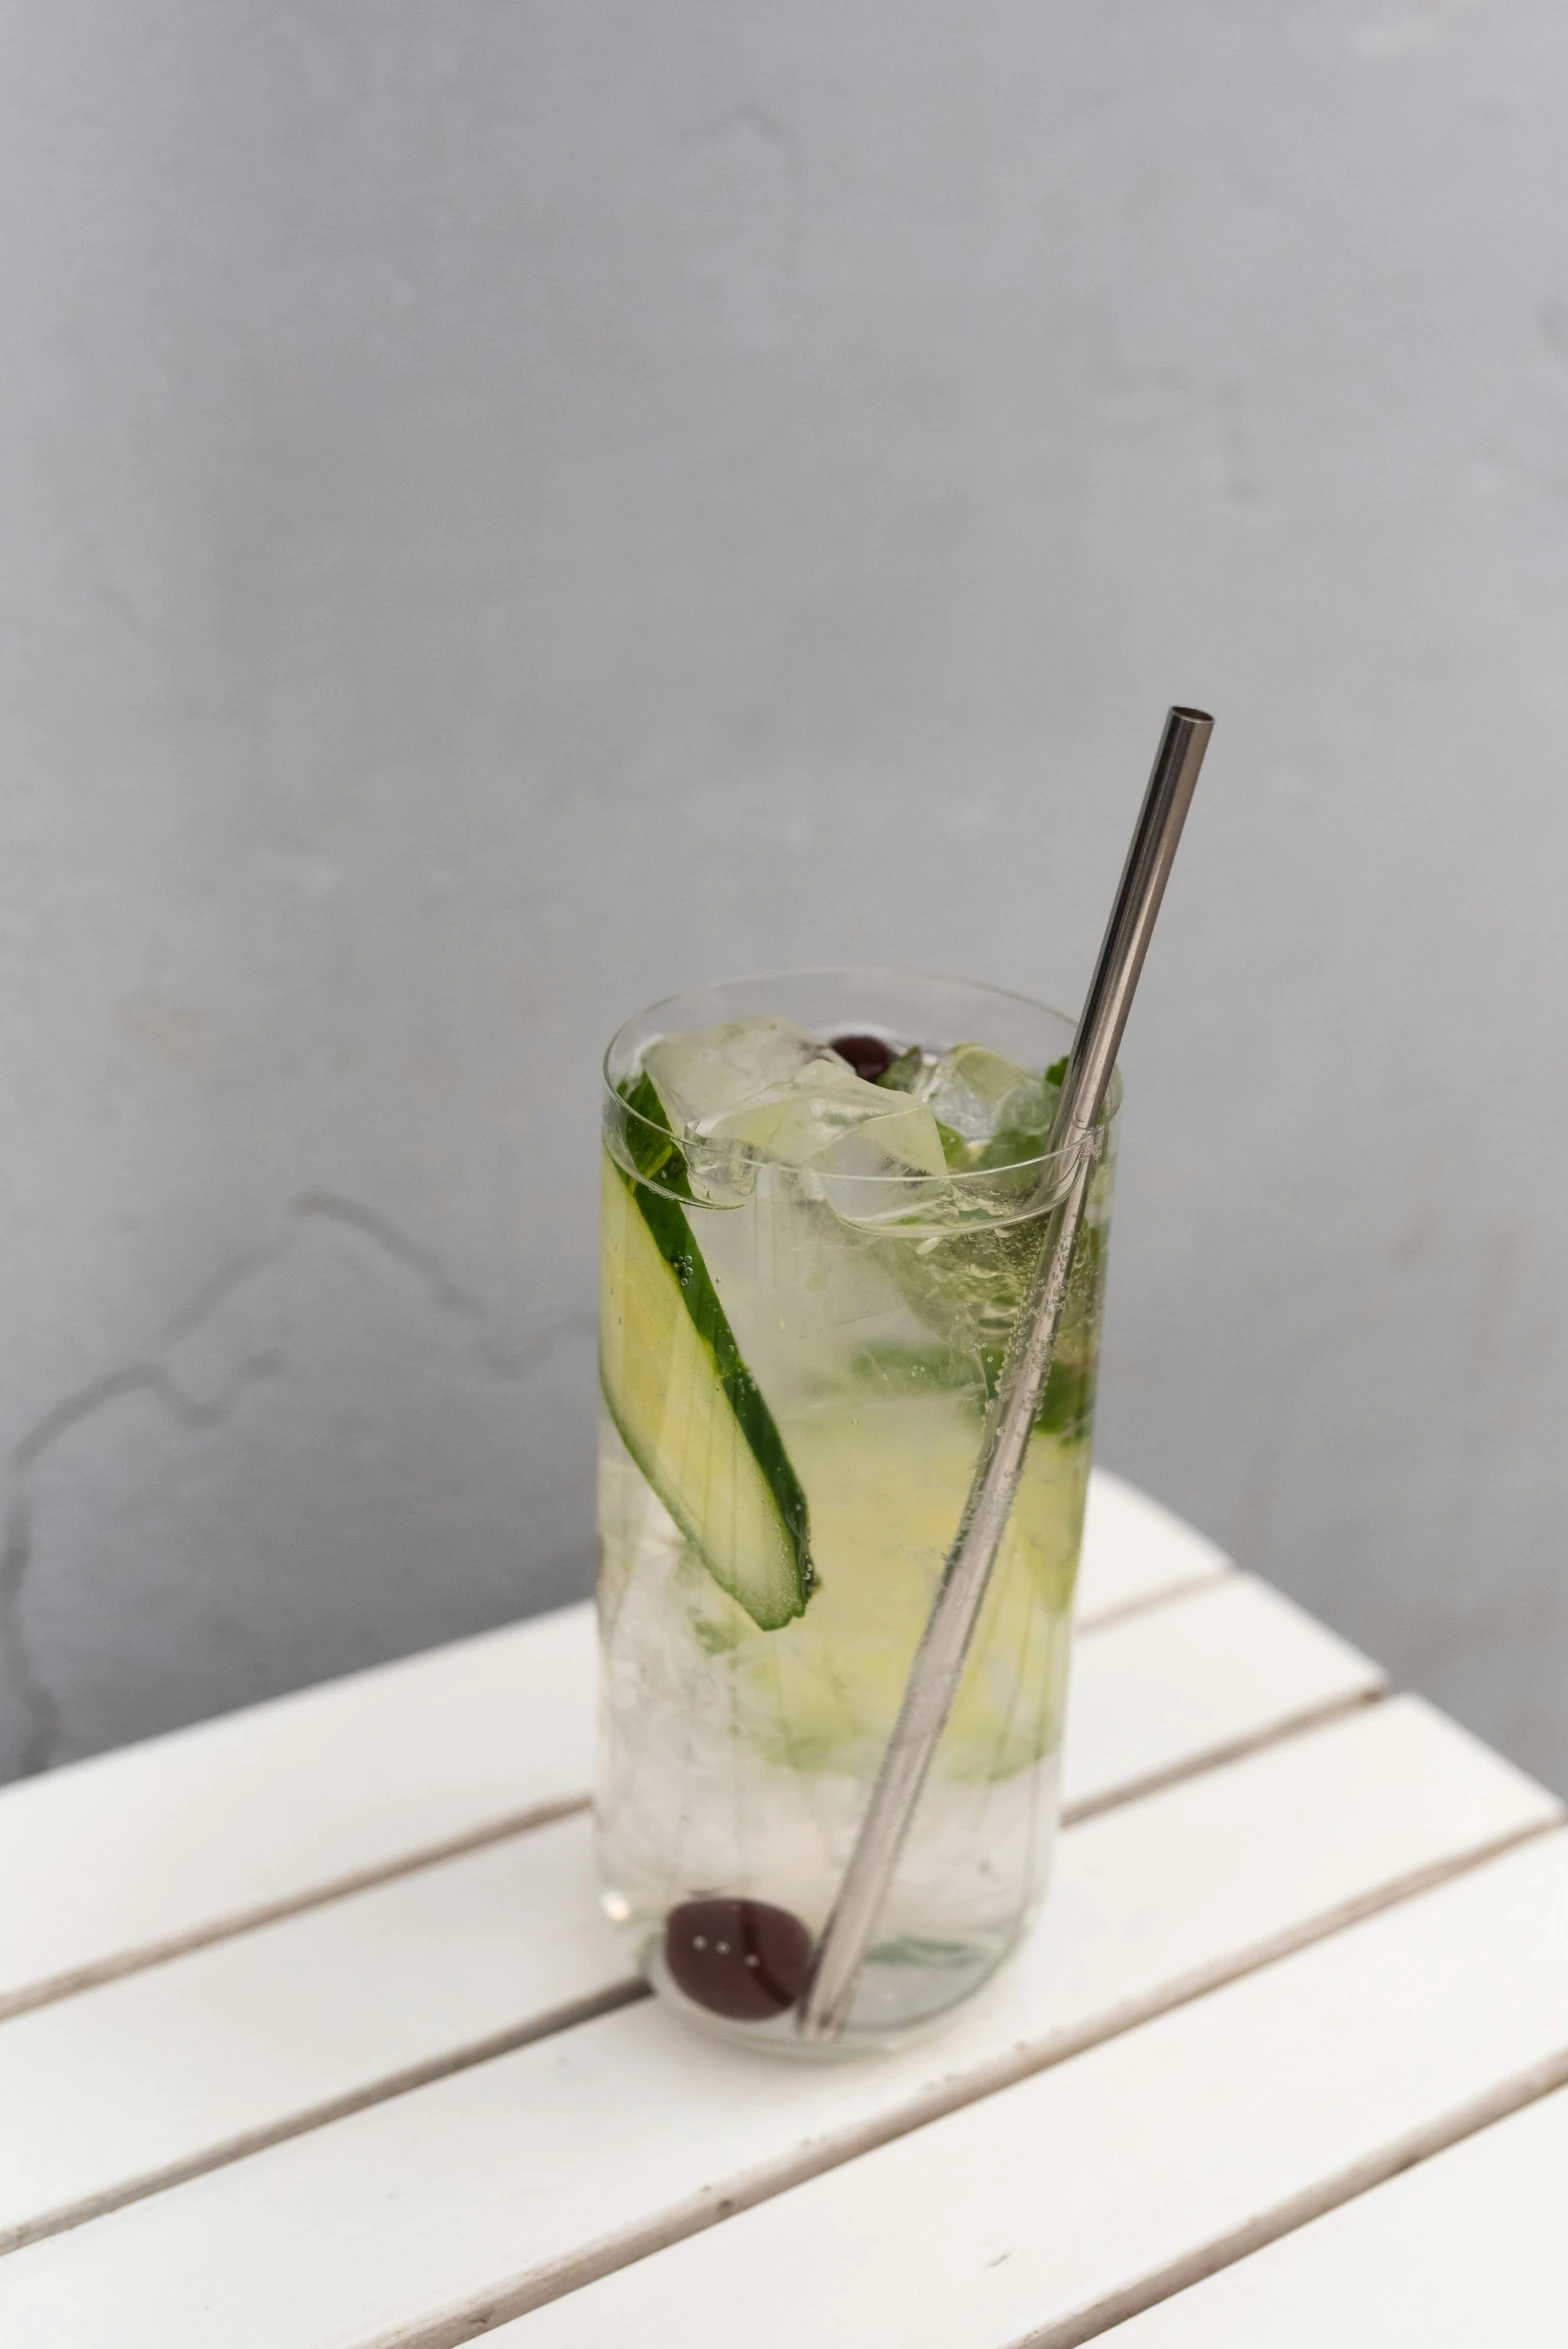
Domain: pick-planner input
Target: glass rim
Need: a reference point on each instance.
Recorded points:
(749, 1154)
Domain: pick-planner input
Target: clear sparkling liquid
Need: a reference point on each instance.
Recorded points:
(737, 1760)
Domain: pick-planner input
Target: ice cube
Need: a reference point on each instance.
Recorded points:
(762, 1088)
(813, 1109)
(704, 1074)
(887, 1169)
(861, 1142)
(977, 1093)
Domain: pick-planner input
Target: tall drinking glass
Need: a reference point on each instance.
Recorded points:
(822, 1195)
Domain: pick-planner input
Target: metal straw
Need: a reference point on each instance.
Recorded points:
(939, 1660)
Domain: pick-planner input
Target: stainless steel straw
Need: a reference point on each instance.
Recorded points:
(939, 1660)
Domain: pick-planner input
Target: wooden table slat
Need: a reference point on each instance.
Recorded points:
(1174, 1687)
(1135, 1551)
(147, 2075)
(1466, 2249)
(115, 1861)
(178, 2066)
(420, 2218)
(1045, 2213)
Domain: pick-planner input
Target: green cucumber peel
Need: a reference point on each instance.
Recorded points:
(657, 1154)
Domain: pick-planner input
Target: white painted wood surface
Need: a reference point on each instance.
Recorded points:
(1134, 1551)
(148, 2075)
(1205, 1677)
(1298, 1937)
(582, 2149)
(1037, 2215)
(115, 1860)
(112, 1862)
(178, 2066)
(1466, 2250)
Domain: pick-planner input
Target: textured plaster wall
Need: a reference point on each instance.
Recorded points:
(507, 508)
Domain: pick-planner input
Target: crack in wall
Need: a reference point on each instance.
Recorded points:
(149, 1375)
(39, 1708)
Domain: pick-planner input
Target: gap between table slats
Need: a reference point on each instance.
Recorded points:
(1467, 2246)
(1389, 2162)
(161, 1953)
(1442, 1772)
(1512, 2096)
(1240, 1650)
(628, 1992)
(476, 1694)
(1316, 2080)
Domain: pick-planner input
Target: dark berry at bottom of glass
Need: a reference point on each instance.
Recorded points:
(868, 1056)
(741, 1958)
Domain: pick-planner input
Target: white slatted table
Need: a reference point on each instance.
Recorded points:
(312, 2036)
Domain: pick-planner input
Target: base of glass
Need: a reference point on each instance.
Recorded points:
(906, 1990)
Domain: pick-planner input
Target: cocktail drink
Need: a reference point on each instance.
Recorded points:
(823, 1194)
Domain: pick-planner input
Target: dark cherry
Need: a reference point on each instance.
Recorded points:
(868, 1056)
(740, 1958)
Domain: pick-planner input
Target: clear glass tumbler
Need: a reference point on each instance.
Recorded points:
(823, 1193)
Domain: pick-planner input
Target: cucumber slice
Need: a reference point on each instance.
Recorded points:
(688, 1410)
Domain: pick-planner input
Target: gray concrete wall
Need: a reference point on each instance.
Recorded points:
(506, 509)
